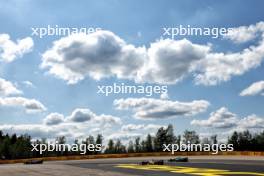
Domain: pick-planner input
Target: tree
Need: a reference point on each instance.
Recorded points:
(1, 135)
(137, 145)
(110, 148)
(160, 139)
(6, 153)
(61, 140)
(205, 140)
(234, 140)
(143, 147)
(170, 138)
(259, 146)
(178, 140)
(213, 139)
(245, 140)
(149, 143)
(99, 140)
(130, 148)
(13, 139)
(119, 147)
(164, 136)
(90, 140)
(191, 137)
(76, 142)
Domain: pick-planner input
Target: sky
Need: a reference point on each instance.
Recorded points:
(49, 84)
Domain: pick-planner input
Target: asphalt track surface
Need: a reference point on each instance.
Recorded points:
(196, 166)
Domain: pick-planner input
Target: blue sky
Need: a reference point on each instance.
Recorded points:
(126, 19)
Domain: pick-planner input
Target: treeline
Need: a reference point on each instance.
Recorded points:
(246, 141)
(15, 147)
(18, 147)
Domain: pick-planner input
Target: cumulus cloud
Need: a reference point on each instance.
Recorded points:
(252, 121)
(164, 96)
(98, 55)
(149, 108)
(54, 119)
(39, 131)
(81, 115)
(132, 127)
(107, 120)
(36, 131)
(103, 54)
(222, 118)
(254, 89)
(9, 50)
(30, 105)
(7, 88)
(169, 61)
(244, 34)
(220, 67)
(136, 127)
(28, 84)
(124, 136)
(80, 123)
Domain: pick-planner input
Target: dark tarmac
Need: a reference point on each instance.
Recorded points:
(198, 165)
(204, 167)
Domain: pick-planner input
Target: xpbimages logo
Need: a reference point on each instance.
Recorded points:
(56, 147)
(122, 88)
(181, 30)
(56, 30)
(189, 147)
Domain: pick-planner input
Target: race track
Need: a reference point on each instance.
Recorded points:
(204, 166)
(196, 166)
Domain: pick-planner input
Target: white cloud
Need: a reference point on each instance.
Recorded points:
(124, 136)
(7, 88)
(254, 89)
(30, 105)
(244, 34)
(149, 108)
(56, 124)
(28, 84)
(132, 127)
(39, 131)
(222, 118)
(252, 121)
(136, 127)
(81, 115)
(164, 96)
(103, 54)
(54, 119)
(169, 61)
(98, 55)
(220, 67)
(107, 120)
(9, 50)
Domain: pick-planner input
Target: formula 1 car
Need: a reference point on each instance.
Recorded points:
(34, 161)
(179, 159)
(152, 162)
